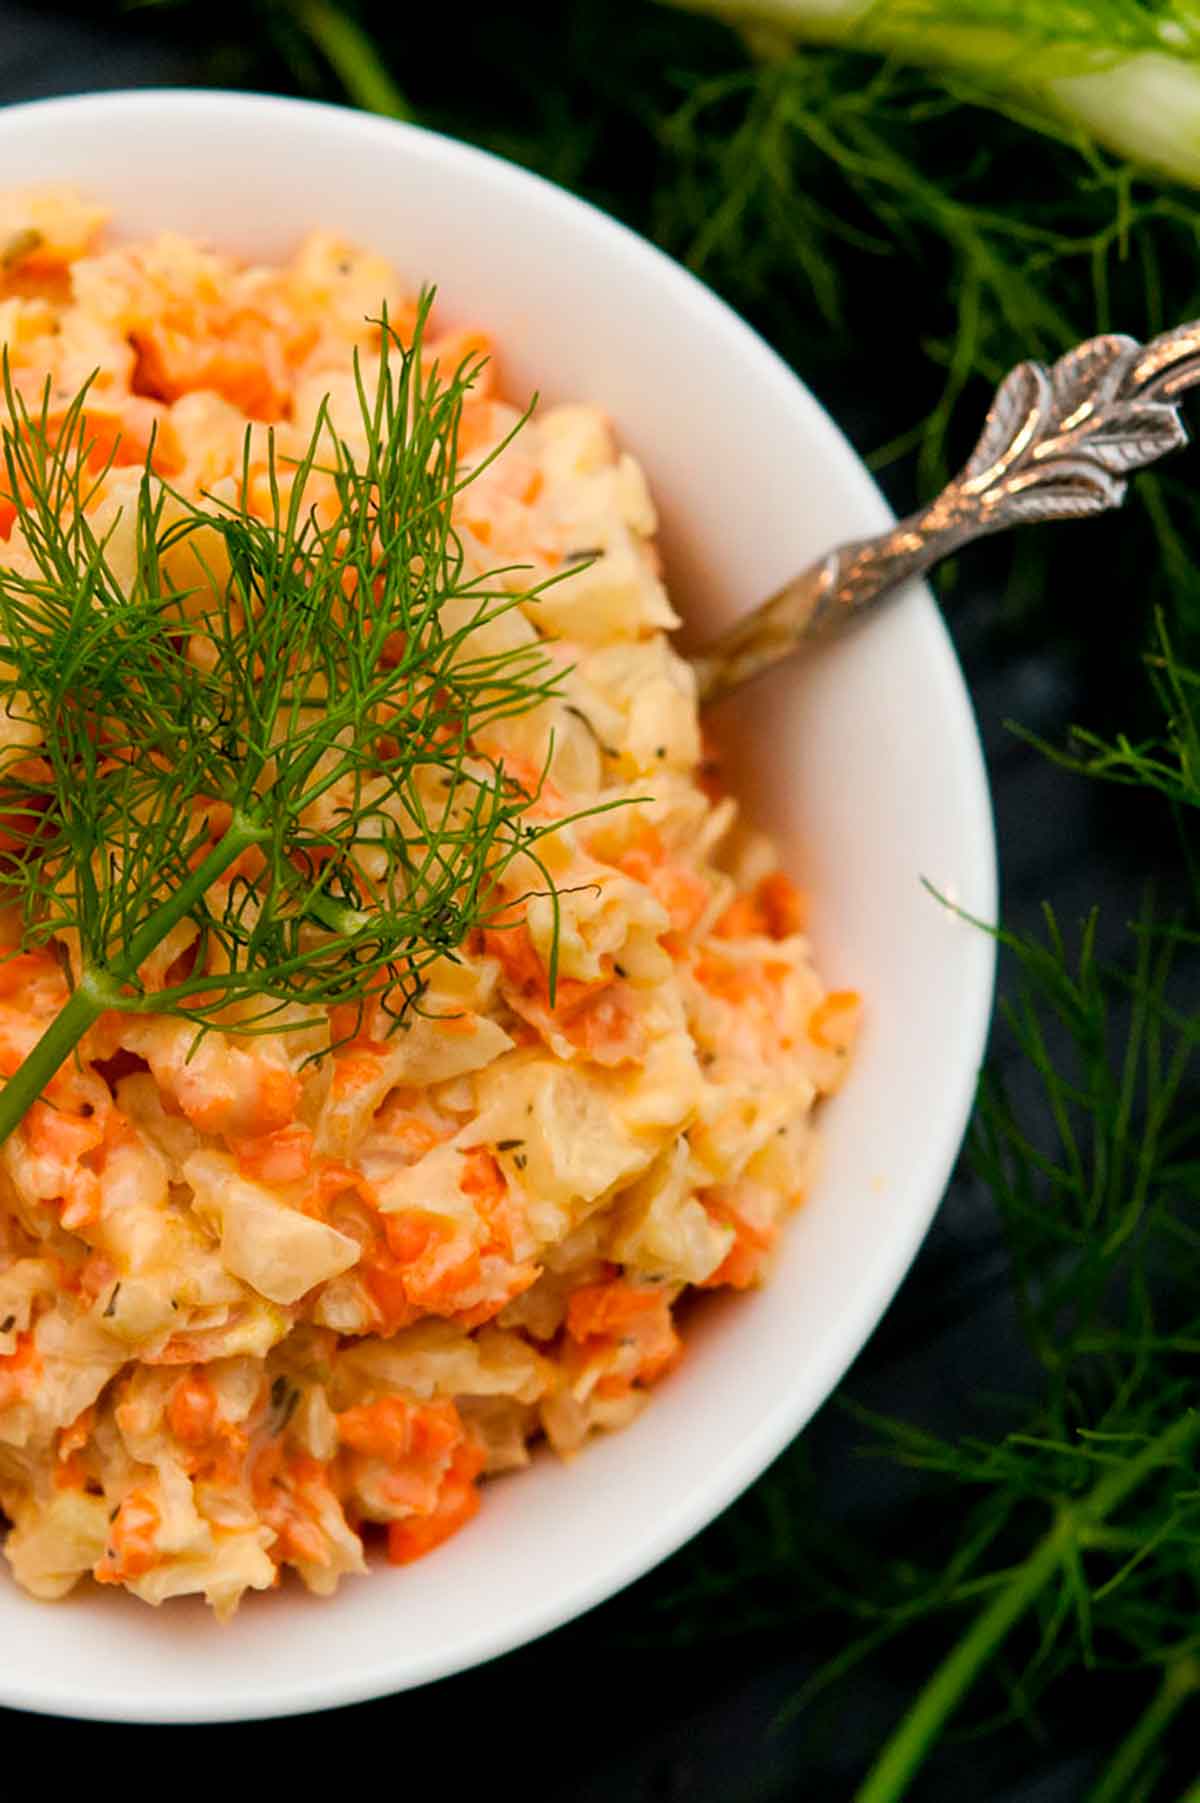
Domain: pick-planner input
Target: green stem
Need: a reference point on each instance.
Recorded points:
(908, 1747)
(98, 990)
(1192, 1794)
(87, 1003)
(241, 834)
(890, 1775)
(1179, 1680)
(1130, 99)
(337, 917)
(354, 59)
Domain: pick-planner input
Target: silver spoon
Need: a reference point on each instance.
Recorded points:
(1058, 443)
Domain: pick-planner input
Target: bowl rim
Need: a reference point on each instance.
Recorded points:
(792, 1411)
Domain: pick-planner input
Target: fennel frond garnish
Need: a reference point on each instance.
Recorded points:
(1059, 1536)
(280, 750)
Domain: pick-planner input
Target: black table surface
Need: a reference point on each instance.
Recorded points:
(701, 1723)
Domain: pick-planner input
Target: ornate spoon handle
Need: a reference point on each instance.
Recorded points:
(1058, 443)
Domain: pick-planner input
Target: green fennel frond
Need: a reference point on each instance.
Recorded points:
(1124, 71)
(1168, 762)
(280, 751)
(1080, 1515)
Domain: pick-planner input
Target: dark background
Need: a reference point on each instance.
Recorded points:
(700, 1722)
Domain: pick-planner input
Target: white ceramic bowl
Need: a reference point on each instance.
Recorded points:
(865, 762)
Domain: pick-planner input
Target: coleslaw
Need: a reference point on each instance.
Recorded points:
(265, 1300)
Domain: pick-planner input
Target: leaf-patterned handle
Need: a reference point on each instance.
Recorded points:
(1058, 443)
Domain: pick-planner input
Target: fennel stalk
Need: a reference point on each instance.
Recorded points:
(1126, 75)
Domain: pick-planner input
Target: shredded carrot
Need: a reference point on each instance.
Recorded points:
(192, 1410)
(608, 1307)
(265, 1468)
(458, 1501)
(730, 981)
(132, 1549)
(831, 1023)
(125, 438)
(290, 1487)
(516, 1280)
(19, 1371)
(278, 1097)
(743, 1264)
(70, 1473)
(180, 1349)
(476, 425)
(450, 350)
(513, 948)
(301, 1540)
(427, 1264)
(386, 1280)
(775, 908)
(441, 1283)
(742, 919)
(481, 1176)
(240, 354)
(284, 1156)
(457, 1026)
(662, 1352)
(333, 1180)
(607, 1029)
(423, 1445)
(413, 1231)
(636, 1320)
(420, 1267)
(53, 1133)
(394, 1428)
(784, 904)
(19, 968)
(420, 1534)
(527, 976)
(683, 893)
(355, 1067)
(276, 1462)
(271, 1093)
